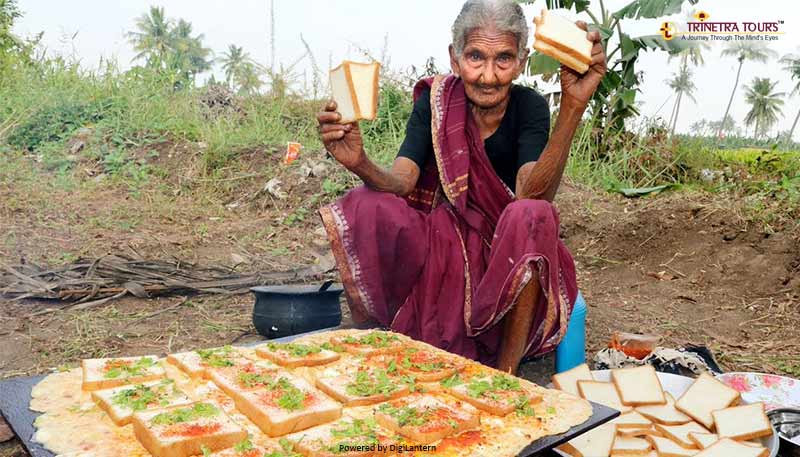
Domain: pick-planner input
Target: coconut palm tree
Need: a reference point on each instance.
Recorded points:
(232, 62)
(247, 78)
(792, 65)
(188, 55)
(765, 104)
(681, 83)
(153, 39)
(745, 50)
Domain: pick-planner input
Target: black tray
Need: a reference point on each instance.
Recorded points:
(15, 395)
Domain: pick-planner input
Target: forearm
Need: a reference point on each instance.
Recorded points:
(378, 178)
(542, 180)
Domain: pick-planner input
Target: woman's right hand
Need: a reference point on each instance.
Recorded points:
(343, 141)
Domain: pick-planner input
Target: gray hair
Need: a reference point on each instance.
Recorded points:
(505, 16)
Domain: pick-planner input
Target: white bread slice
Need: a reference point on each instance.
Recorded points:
(670, 399)
(742, 422)
(638, 386)
(355, 90)
(563, 40)
(183, 431)
(120, 403)
(425, 418)
(568, 380)
(113, 372)
(264, 406)
(703, 440)
(638, 432)
(680, 433)
(495, 401)
(594, 443)
(602, 392)
(668, 448)
(705, 395)
(663, 414)
(727, 447)
(375, 386)
(632, 419)
(630, 446)
(293, 355)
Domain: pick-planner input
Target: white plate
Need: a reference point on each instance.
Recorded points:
(676, 386)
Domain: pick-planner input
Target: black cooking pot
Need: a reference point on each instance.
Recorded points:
(288, 310)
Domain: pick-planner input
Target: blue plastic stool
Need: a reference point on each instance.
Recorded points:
(571, 352)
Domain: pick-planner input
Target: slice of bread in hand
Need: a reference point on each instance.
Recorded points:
(727, 447)
(568, 380)
(563, 40)
(703, 440)
(742, 422)
(630, 446)
(705, 395)
(638, 386)
(668, 448)
(663, 414)
(594, 443)
(355, 90)
(120, 371)
(602, 392)
(184, 431)
(680, 433)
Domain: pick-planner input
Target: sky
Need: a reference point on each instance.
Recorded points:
(91, 30)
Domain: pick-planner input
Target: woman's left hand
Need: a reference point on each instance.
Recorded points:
(578, 88)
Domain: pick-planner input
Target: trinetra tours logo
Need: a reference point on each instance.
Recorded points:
(704, 30)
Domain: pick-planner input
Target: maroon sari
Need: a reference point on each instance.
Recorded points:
(445, 264)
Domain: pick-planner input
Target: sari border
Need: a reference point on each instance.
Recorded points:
(437, 87)
(349, 267)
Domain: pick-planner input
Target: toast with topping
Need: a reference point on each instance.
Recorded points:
(287, 404)
(426, 365)
(365, 386)
(120, 403)
(347, 437)
(247, 376)
(425, 418)
(370, 342)
(188, 430)
(292, 355)
(197, 363)
(107, 373)
(498, 394)
(246, 448)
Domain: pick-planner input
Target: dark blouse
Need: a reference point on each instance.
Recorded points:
(520, 138)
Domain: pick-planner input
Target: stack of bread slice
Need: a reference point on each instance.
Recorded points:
(706, 421)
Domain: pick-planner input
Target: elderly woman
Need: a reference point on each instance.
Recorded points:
(457, 244)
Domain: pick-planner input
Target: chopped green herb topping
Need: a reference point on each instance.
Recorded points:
(216, 357)
(295, 349)
(405, 415)
(291, 398)
(251, 380)
(244, 446)
(358, 432)
(181, 415)
(523, 407)
(374, 339)
(452, 381)
(483, 388)
(117, 368)
(138, 397)
(287, 450)
(371, 383)
(332, 347)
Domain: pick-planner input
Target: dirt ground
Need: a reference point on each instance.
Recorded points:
(684, 265)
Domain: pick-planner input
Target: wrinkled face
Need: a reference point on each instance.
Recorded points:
(488, 65)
